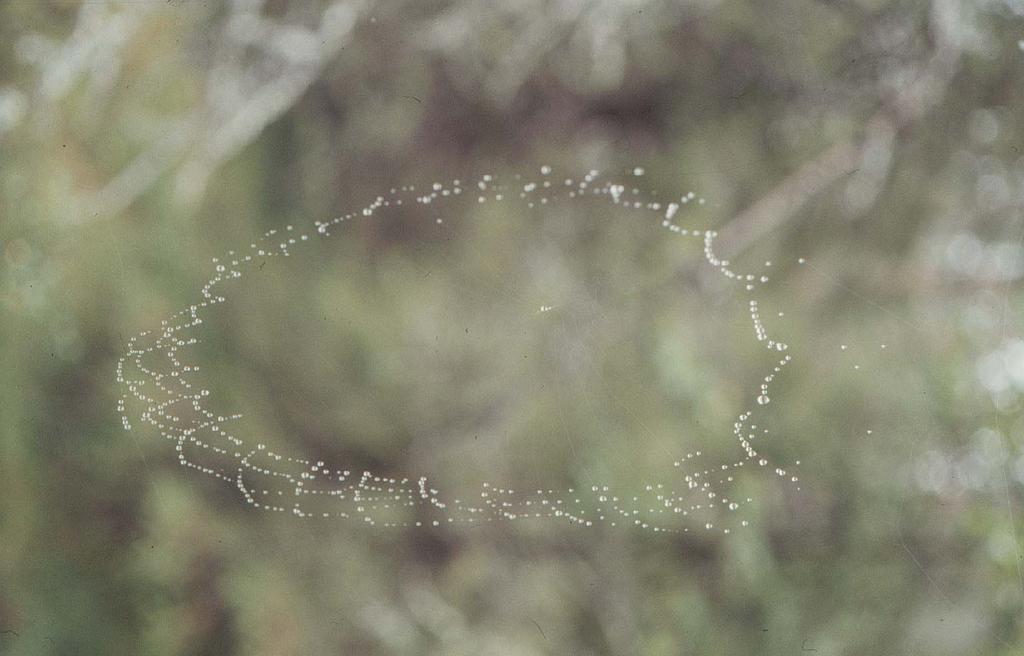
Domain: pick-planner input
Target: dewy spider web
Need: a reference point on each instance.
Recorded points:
(157, 378)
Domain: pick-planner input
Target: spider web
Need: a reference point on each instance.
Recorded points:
(163, 391)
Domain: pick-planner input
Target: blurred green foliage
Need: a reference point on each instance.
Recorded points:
(878, 140)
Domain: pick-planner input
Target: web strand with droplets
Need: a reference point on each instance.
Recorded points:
(157, 379)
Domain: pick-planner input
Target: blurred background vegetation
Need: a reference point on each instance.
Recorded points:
(879, 140)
